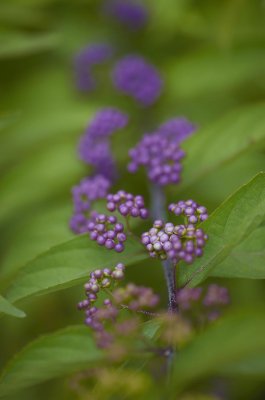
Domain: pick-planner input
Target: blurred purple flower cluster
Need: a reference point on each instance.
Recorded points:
(85, 60)
(94, 145)
(209, 300)
(160, 153)
(138, 79)
(129, 13)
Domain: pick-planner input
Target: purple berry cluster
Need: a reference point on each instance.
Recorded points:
(190, 210)
(160, 156)
(99, 279)
(94, 145)
(177, 129)
(85, 60)
(127, 204)
(138, 79)
(104, 318)
(129, 13)
(107, 231)
(209, 300)
(84, 194)
(177, 242)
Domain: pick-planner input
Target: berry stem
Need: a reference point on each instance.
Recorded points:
(158, 210)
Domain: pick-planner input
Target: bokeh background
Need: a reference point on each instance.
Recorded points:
(211, 55)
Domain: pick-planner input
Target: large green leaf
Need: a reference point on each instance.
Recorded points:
(9, 309)
(230, 224)
(54, 355)
(222, 142)
(67, 264)
(247, 259)
(229, 340)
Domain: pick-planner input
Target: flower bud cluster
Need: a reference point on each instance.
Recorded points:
(91, 55)
(193, 212)
(105, 318)
(176, 242)
(161, 157)
(100, 279)
(209, 300)
(107, 231)
(138, 79)
(127, 204)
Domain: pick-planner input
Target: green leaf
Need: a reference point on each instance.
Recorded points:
(246, 260)
(43, 175)
(16, 44)
(57, 114)
(230, 224)
(222, 141)
(37, 233)
(51, 356)
(9, 309)
(229, 340)
(217, 71)
(68, 264)
(253, 366)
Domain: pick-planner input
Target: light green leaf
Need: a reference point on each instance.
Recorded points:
(229, 340)
(56, 116)
(247, 259)
(68, 264)
(222, 141)
(43, 175)
(44, 228)
(9, 309)
(230, 224)
(51, 356)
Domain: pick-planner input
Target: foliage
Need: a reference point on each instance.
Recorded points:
(212, 62)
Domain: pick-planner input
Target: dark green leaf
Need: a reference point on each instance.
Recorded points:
(247, 259)
(54, 355)
(230, 224)
(222, 142)
(68, 264)
(253, 366)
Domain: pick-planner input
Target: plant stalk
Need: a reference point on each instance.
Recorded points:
(159, 212)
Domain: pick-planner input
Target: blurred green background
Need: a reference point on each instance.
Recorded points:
(211, 55)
